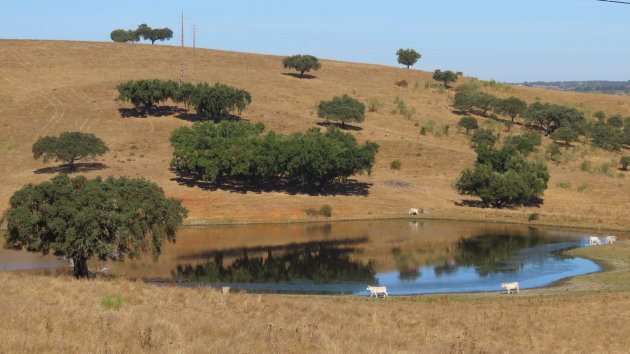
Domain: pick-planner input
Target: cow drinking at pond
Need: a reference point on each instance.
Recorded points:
(594, 240)
(611, 239)
(375, 290)
(510, 287)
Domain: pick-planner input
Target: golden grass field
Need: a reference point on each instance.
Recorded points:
(586, 314)
(47, 87)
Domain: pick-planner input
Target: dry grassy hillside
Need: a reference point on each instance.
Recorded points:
(47, 87)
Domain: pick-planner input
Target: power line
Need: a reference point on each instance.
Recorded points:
(618, 2)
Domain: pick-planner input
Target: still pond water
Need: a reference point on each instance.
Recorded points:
(408, 257)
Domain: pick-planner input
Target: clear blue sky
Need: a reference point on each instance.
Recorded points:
(505, 40)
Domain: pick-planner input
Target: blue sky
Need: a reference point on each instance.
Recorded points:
(505, 40)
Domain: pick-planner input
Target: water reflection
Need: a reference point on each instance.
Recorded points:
(320, 262)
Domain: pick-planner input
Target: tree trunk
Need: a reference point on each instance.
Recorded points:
(80, 267)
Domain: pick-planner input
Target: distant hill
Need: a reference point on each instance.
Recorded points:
(597, 86)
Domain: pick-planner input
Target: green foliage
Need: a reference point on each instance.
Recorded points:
(566, 134)
(69, 147)
(468, 123)
(533, 216)
(607, 137)
(238, 151)
(302, 63)
(373, 105)
(600, 115)
(483, 137)
(586, 166)
(583, 187)
(121, 35)
(511, 107)
(214, 101)
(564, 184)
(82, 218)
(615, 121)
(467, 100)
(344, 109)
(154, 34)
(111, 302)
(395, 165)
(444, 76)
(407, 57)
(325, 210)
(624, 162)
(503, 177)
(144, 94)
(526, 143)
(551, 117)
(471, 85)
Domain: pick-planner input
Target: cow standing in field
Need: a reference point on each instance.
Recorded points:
(510, 287)
(611, 239)
(414, 211)
(375, 290)
(594, 240)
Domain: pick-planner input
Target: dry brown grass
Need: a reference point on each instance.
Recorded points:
(53, 86)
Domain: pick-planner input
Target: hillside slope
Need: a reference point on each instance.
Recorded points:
(47, 87)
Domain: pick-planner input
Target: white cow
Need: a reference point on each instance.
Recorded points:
(414, 211)
(594, 240)
(611, 239)
(510, 287)
(375, 290)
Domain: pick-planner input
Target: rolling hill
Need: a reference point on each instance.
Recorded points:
(47, 87)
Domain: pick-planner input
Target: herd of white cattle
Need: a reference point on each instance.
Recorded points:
(511, 288)
(594, 240)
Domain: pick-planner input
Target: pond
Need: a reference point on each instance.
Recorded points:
(406, 256)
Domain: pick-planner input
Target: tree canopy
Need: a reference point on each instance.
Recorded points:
(551, 117)
(503, 177)
(144, 94)
(69, 147)
(81, 218)
(343, 109)
(511, 107)
(444, 76)
(142, 32)
(302, 63)
(468, 123)
(467, 100)
(238, 151)
(407, 57)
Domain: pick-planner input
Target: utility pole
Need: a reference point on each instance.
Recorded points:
(194, 31)
(181, 55)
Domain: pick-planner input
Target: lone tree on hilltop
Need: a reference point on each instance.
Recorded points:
(154, 34)
(69, 147)
(121, 35)
(444, 76)
(407, 57)
(81, 218)
(343, 109)
(302, 63)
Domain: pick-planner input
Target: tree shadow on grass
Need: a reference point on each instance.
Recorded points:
(534, 202)
(350, 187)
(157, 111)
(338, 125)
(78, 167)
(305, 76)
(194, 117)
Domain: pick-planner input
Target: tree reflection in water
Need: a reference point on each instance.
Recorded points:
(489, 253)
(320, 262)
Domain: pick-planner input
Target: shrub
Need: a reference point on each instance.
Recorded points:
(111, 302)
(625, 162)
(468, 123)
(564, 184)
(325, 210)
(552, 153)
(586, 166)
(311, 212)
(395, 165)
(483, 137)
(582, 187)
(373, 105)
(533, 216)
